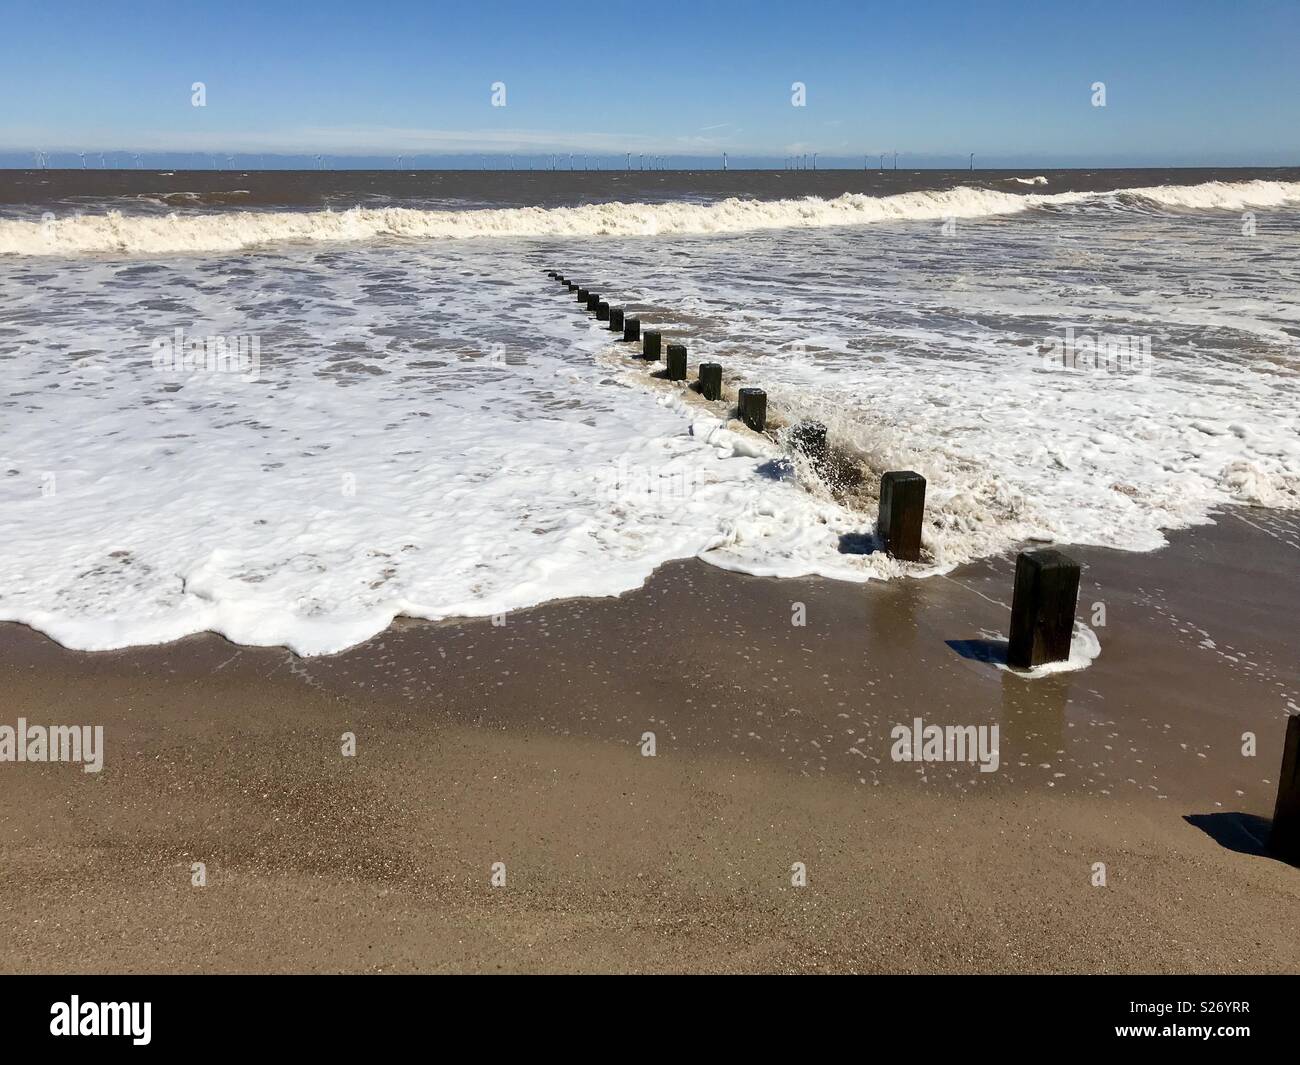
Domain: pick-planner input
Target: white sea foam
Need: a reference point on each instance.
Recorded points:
(119, 234)
(1085, 648)
(436, 431)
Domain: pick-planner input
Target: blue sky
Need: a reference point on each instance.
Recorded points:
(1186, 82)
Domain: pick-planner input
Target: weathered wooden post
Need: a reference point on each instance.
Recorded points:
(711, 380)
(810, 439)
(602, 311)
(902, 506)
(551, 273)
(573, 286)
(650, 349)
(582, 295)
(1284, 840)
(632, 329)
(616, 319)
(751, 408)
(676, 370)
(593, 301)
(1042, 608)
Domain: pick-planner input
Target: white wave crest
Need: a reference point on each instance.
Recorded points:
(1220, 195)
(117, 234)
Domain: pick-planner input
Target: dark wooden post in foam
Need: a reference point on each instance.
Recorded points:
(632, 329)
(602, 311)
(676, 362)
(573, 286)
(593, 301)
(651, 347)
(1042, 608)
(551, 273)
(1284, 840)
(711, 380)
(902, 507)
(810, 438)
(582, 295)
(751, 408)
(616, 319)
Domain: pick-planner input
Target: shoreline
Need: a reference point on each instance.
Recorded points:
(520, 743)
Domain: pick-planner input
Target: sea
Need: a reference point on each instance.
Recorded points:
(288, 407)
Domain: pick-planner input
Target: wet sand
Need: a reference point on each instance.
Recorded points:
(520, 743)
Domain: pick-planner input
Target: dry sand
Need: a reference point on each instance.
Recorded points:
(519, 744)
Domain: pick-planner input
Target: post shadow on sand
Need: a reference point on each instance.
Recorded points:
(776, 470)
(1239, 832)
(860, 543)
(993, 652)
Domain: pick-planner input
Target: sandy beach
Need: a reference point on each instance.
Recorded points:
(521, 743)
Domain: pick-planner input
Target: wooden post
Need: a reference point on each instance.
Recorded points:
(902, 506)
(810, 438)
(751, 408)
(1284, 840)
(1042, 608)
(602, 311)
(551, 273)
(616, 319)
(651, 347)
(676, 362)
(593, 301)
(573, 286)
(711, 380)
(632, 329)
(582, 295)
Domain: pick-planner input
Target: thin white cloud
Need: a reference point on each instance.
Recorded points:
(341, 141)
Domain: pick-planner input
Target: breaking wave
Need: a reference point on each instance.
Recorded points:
(115, 233)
